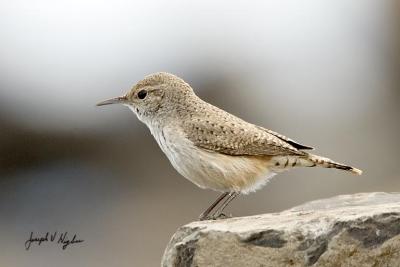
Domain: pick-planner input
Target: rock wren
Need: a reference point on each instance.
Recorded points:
(211, 147)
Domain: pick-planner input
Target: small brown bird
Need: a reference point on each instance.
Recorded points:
(211, 147)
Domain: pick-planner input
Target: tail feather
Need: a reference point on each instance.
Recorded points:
(282, 163)
(328, 163)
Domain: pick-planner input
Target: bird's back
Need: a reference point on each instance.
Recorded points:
(214, 129)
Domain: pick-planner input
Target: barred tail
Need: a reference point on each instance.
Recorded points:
(328, 163)
(281, 163)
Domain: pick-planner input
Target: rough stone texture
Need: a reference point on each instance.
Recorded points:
(350, 230)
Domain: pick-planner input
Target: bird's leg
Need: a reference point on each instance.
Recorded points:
(204, 215)
(219, 213)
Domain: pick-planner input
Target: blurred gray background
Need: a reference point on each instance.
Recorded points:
(325, 73)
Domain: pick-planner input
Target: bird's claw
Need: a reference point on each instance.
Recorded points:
(215, 217)
(222, 216)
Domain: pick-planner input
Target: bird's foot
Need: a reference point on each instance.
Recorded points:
(221, 216)
(204, 218)
(215, 217)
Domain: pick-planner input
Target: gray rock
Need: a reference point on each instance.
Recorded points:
(350, 230)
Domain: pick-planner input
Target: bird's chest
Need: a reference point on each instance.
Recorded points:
(208, 169)
(179, 150)
(195, 164)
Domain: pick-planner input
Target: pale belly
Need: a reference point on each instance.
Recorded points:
(212, 170)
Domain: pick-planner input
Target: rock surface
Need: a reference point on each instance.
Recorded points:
(349, 230)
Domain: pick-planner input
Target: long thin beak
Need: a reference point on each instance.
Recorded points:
(115, 100)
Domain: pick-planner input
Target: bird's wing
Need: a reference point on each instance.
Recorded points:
(288, 140)
(224, 133)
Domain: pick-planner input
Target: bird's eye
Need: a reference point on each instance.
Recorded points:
(142, 94)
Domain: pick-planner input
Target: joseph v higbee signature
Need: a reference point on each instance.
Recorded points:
(59, 238)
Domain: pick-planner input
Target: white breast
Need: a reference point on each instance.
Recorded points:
(209, 169)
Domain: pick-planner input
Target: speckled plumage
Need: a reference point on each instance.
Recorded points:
(209, 146)
(215, 129)
(178, 117)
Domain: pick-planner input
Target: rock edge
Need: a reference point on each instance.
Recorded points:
(349, 230)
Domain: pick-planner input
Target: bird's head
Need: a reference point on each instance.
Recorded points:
(156, 93)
